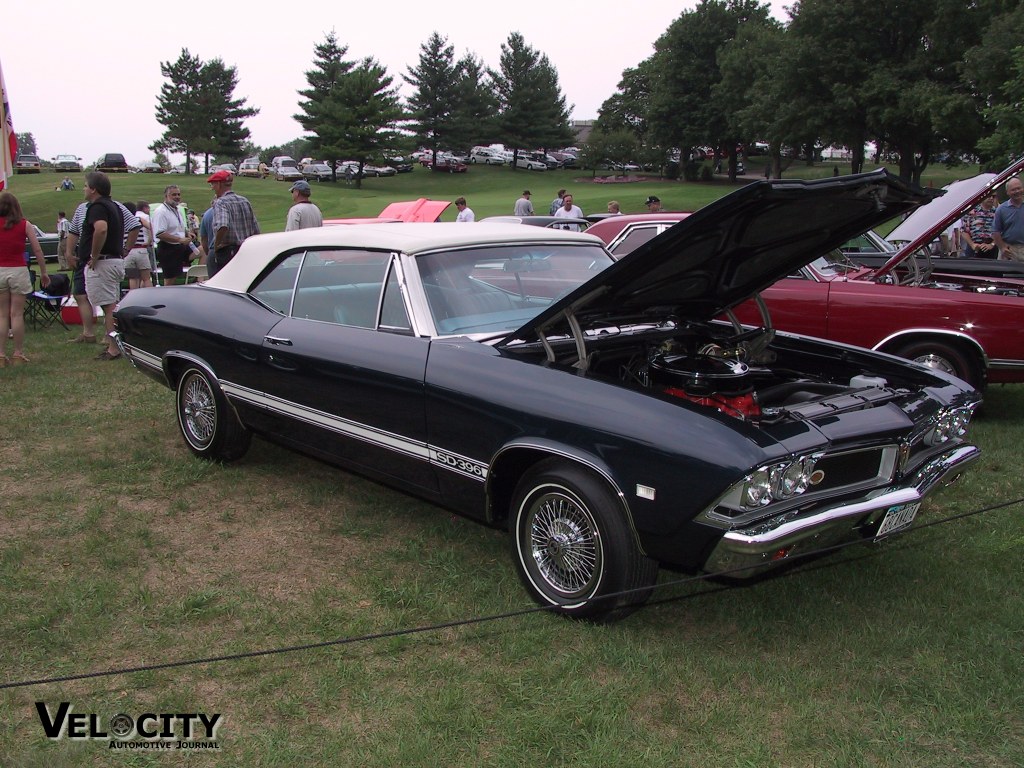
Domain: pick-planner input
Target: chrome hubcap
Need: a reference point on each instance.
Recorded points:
(564, 544)
(199, 412)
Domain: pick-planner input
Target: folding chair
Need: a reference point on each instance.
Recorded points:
(43, 310)
(197, 273)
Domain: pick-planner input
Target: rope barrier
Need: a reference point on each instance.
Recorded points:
(478, 619)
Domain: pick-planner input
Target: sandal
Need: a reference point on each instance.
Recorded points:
(18, 358)
(83, 339)
(105, 355)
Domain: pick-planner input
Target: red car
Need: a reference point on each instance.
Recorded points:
(448, 165)
(968, 326)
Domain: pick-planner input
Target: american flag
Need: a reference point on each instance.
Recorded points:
(8, 141)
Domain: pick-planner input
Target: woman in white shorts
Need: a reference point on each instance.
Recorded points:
(15, 231)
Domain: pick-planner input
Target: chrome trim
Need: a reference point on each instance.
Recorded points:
(751, 550)
(933, 332)
(888, 456)
(1006, 365)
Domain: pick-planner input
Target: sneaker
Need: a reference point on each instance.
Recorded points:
(83, 339)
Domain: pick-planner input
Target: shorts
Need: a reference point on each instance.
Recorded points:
(78, 280)
(15, 280)
(138, 258)
(103, 284)
(172, 258)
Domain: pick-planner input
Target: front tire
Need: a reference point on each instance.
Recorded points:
(210, 428)
(943, 357)
(573, 546)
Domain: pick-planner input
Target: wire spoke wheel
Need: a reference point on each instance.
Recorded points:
(564, 544)
(198, 411)
(573, 545)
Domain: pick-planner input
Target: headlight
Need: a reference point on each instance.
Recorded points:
(950, 424)
(757, 490)
(796, 478)
(776, 482)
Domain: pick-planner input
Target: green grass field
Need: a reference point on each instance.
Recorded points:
(489, 190)
(119, 549)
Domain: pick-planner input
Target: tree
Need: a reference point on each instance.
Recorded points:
(532, 110)
(199, 110)
(26, 144)
(227, 135)
(321, 113)
(1007, 139)
(683, 109)
(431, 108)
(996, 82)
(473, 119)
(175, 108)
(369, 112)
(618, 147)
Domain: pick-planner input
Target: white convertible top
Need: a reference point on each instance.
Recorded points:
(258, 251)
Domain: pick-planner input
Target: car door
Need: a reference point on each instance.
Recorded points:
(342, 372)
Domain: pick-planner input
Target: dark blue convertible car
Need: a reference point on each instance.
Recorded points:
(597, 410)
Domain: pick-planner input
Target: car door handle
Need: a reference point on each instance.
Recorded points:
(277, 341)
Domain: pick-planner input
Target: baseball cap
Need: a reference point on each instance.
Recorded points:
(652, 199)
(300, 186)
(218, 176)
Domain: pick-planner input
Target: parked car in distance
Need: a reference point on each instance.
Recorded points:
(550, 222)
(317, 172)
(486, 156)
(67, 164)
(251, 169)
(287, 173)
(229, 167)
(448, 165)
(149, 168)
(400, 164)
(625, 233)
(593, 409)
(48, 242)
(283, 160)
(112, 162)
(530, 164)
(28, 164)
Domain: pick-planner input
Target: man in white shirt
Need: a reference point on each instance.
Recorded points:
(569, 211)
(303, 214)
(173, 241)
(465, 212)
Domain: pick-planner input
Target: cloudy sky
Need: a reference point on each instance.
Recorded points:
(83, 78)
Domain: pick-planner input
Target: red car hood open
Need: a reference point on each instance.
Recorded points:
(421, 210)
(931, 220)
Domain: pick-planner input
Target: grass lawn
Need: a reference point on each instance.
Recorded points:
(119, 549)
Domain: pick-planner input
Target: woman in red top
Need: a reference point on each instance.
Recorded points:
(14, 278)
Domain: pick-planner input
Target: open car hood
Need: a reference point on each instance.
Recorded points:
(729, 250)
(423, 210)
(931, 220)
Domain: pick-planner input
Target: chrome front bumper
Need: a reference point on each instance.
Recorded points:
(748, 551)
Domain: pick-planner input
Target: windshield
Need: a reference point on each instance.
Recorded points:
(498, 289)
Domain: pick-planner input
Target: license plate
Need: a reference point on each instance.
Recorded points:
(897, 518)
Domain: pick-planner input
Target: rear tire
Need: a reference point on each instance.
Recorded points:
(210, 428)
(573, 546)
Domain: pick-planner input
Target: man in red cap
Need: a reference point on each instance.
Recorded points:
(233, 221)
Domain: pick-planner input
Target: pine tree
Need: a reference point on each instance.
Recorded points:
(433, 104)
(321, 114)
